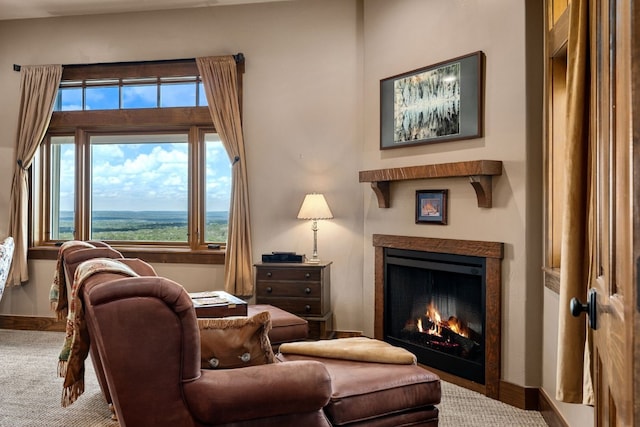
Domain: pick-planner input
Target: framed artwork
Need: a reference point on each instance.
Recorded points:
(431, 206)
(437, 103)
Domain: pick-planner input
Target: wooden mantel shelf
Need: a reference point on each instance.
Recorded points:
(479, 172)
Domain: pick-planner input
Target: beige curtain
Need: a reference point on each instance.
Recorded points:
(219, 75)
(573, 382)
(39, 86)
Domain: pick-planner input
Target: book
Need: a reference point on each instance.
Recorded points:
(201, 299)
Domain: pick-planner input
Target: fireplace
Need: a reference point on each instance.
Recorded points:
(440, 299)
(435, 307)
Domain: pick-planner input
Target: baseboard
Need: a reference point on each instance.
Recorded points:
(32, 323)
(347, 334)
(549, 411)
(532, 398)
(518, 396)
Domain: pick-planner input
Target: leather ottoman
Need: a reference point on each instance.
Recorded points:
(285, 326)
(379, 394)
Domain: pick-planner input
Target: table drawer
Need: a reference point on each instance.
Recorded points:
(284, 289)
(301, 307)
(298, 274)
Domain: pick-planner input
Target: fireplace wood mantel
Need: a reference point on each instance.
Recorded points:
(479, 172)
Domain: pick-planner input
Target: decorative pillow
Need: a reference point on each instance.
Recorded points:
(236, 341)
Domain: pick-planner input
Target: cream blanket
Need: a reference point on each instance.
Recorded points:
(58, 292)
(360, 349)
(76, 344)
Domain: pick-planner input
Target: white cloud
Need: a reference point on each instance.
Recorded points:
(147, 176)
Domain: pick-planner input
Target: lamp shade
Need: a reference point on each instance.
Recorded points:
(314, 206)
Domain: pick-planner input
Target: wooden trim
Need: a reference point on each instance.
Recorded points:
(549, 412)
(519, 396)
(493, 252)
(378, 319)
(148, 254)
(552, 279)
(347, 334)
(32, 323)
(135, 69)
(168, 68)
(493, 324)
(559, 35)
(130, 119)
(448, 246)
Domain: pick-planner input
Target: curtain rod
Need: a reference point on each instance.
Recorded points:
(239, 57)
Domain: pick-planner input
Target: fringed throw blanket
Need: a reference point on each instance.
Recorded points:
(76, 344)
(58, 291)
(360, 349)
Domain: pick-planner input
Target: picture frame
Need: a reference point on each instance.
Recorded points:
(431, 207)
(438, 103)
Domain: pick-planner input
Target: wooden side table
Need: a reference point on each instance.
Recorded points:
(299, 288)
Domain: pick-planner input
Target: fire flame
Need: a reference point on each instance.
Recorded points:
(437, 323)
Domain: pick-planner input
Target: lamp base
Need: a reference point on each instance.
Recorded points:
(313, 261)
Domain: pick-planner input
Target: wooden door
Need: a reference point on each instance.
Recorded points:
(617, 210)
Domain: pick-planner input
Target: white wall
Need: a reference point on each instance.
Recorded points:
(302, 121)
(405, 35)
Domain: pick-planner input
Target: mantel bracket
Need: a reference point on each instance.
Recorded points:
(381, 190)
(482, 185)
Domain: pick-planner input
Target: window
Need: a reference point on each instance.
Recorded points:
(131, 158)
(130, 93)
(557, 25)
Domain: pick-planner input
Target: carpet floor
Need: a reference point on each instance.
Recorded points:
(30, 392)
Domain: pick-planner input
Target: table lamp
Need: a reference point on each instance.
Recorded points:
(314, 207)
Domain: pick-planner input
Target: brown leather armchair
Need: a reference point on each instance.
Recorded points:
(75, 256)
(146, 333)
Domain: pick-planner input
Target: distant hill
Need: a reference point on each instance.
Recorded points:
(152, 226)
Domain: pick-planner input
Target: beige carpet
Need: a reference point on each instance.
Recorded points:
(30, 392)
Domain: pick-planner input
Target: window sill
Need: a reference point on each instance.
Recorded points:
(151, 255)
(552, 278)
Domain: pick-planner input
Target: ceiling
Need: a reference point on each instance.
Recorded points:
(26, 9)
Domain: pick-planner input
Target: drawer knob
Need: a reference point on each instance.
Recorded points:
(307, 290)
(307, 275)
(269, 274)
(307, 308)
(269, 289)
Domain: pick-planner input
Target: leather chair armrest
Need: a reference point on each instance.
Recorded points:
(223, 396)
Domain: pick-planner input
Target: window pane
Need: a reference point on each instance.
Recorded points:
(69, 99)
(140, 96)
(102, 98)
(178, 95)
(139, 187)
(217, 189)
(62, 189)
(202, 97)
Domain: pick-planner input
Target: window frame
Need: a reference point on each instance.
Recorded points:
(195, 121)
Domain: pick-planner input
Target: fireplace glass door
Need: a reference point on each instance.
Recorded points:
(434, 306)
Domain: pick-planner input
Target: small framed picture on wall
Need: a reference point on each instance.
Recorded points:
(431, 207)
